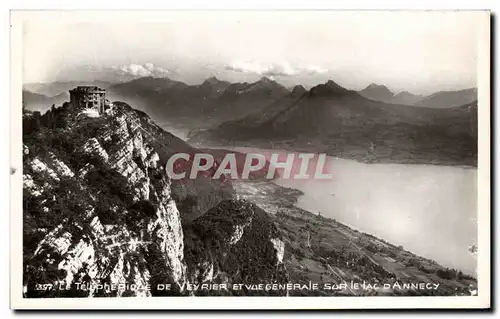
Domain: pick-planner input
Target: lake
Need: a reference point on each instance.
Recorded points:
(429, 210)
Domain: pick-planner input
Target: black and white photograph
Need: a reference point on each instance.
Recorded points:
(162, 158)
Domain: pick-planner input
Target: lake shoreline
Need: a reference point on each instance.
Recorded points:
(446, 186)
(360, 159)
(435, 202)
(311, 238)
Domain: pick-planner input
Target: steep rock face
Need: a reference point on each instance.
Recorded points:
(103, 218)
(235, 242)
(98, 210)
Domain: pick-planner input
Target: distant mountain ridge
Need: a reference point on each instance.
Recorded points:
(406, 97)
(382, 93)
(340, 122)
(58, 87)
(177, 105)
(39, 102)
(446, 99)
(442, 99)
(377, 92)
(199, 106)
(213, 82)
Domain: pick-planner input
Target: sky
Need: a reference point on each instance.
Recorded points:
(420, 52)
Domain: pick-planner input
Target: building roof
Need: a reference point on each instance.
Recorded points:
(87, 89)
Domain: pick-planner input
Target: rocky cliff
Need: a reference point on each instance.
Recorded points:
(235, 242)
(101, 217)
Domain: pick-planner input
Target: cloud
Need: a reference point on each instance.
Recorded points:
(140, 70)
(266, 69)
(273, 69)
(315, 70)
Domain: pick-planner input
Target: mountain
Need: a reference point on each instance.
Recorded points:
(215, 84)
(298, 90)
(448, 99)
(56, 88)
(406, 98)
(241, 99)
(232, 232)
(331, 119)
(39, 102)
(377, 92)
(102, 217)
(382, 93)
(198, 106)
(100, 209)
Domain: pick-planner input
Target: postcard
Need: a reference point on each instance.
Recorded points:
(250, 159)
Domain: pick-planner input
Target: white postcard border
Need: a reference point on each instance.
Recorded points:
(482, 300)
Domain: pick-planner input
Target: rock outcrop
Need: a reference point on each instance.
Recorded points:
(101, 217)
(126, 214)
(235, 242)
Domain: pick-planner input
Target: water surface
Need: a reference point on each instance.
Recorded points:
(430, 210)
